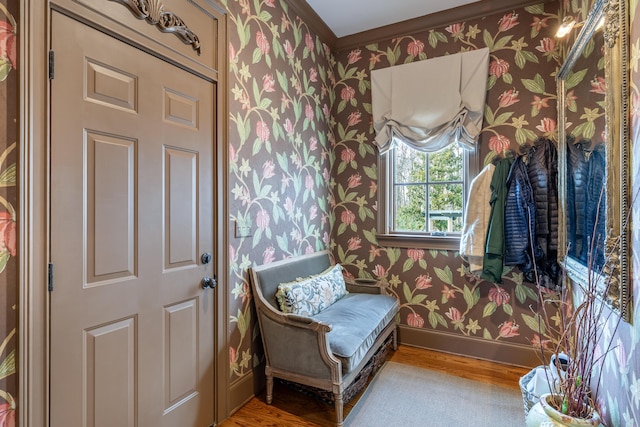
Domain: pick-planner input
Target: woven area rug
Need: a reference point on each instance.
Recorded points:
(406, 396)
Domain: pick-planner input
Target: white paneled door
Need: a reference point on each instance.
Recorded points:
(131, 217)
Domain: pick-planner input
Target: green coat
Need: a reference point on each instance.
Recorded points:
(494, 249)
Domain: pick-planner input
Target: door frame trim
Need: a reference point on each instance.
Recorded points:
(34, 208)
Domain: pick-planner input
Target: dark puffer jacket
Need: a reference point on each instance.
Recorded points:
(519, 218)
(543, 175)
(596, 202)
(577, 171)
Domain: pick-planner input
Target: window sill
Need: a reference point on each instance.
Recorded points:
(410, 241)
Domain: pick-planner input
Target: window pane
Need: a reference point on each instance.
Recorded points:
(411, 203)
(445, 207)
(409, 165)
(446, 164)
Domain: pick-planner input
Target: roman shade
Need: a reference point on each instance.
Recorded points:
(431, 104)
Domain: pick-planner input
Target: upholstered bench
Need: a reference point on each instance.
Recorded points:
(317, 329)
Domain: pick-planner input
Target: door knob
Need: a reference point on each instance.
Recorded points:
(206, 258)
(208, 282)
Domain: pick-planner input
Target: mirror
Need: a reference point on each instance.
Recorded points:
(593, 150)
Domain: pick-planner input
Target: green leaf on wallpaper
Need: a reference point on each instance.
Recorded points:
(523, 292)
(468, 296)
(586, 129)
(486, 334)
(435, 318)
(243, 32)
(265, 16)
(370, 236)
(522, 135)
(366, 106)
(537, 9)
(417, 299)
(342, 167)
(394, 255)
(362, 86)
(502, 118)
(489, 309)
(297, 35)
(489, 117)
(242, 127)
(489, 158)
(4, 259)
(257, 236)
(391, 56)
(8, 365)
(574, 79)
(282, 161)
(278, 51)
(491, 82)
(488, 39)
(364, 212)
(257, 145)
(342, 228)
(408, 295)
(434, 253)
(534, 323)
(257, 55)
(242, 324)
(508, 309)
(445, 274)
(371, 171)
(507, 78)
(520, 59)
(408, 265)
(535, 85)
(502, 42)
(341, 106)
(341, 70)
(283, 242)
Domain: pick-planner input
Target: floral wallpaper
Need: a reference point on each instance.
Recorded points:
(9, 107)
(620, 393)
(280, 82)
(435, 288)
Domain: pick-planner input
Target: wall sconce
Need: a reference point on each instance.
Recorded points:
(568, 22)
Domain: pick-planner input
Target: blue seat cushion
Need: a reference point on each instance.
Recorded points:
(356, 320)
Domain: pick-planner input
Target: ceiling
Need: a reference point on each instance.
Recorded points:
(347, 17)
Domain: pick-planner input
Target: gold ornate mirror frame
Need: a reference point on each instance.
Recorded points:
(616, 270)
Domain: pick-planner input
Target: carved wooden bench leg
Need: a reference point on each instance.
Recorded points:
(269, 389)
(339, 406)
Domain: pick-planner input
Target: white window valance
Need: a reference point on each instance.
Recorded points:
(431, 104)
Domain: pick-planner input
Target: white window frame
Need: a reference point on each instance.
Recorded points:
(387, 237)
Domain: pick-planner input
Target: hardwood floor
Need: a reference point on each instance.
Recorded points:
(294, 409)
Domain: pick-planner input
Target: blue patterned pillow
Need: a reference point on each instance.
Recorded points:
(313, 294)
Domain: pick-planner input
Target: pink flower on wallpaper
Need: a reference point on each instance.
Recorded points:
(313, 143)
(354, 181)
(538, 23)
(288, 48)
(232, 254)
(233, 156)
(447, 293)
(232, 53)
(313, 75)
(598, 85)
(415, 320)
(536, 342)
(547, 125)
(454, 314)
(423, 281)
(499, 296)
(262, 219)
(288, 127)
(326, 175)
(326, 111)
(455, 30)
(308, 112)
(313, 212)
(269, 3)
(508, 98)
(233, 355)
(498, 67)
(325, 238)
(262, 130)
(288, 206)
(348, 155)
(7, 233)
(621, 355)
(354, 56)
(354, 243)
(415, 48)
(347, 217)
(268, 169)
(508, 330)
(373, 188)
(354, 118)
(309, 250)
(308, 41)
(379, 271)
(374, 59)
(499, 143)
(546, 45)
(7, 415)
(539, 103)
(262, 42)
(285, 23)
(308, 182)
(347, 93)
(415, 254)
(268, 83)
(508, 21)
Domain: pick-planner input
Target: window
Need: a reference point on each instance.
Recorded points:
(423, 196)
